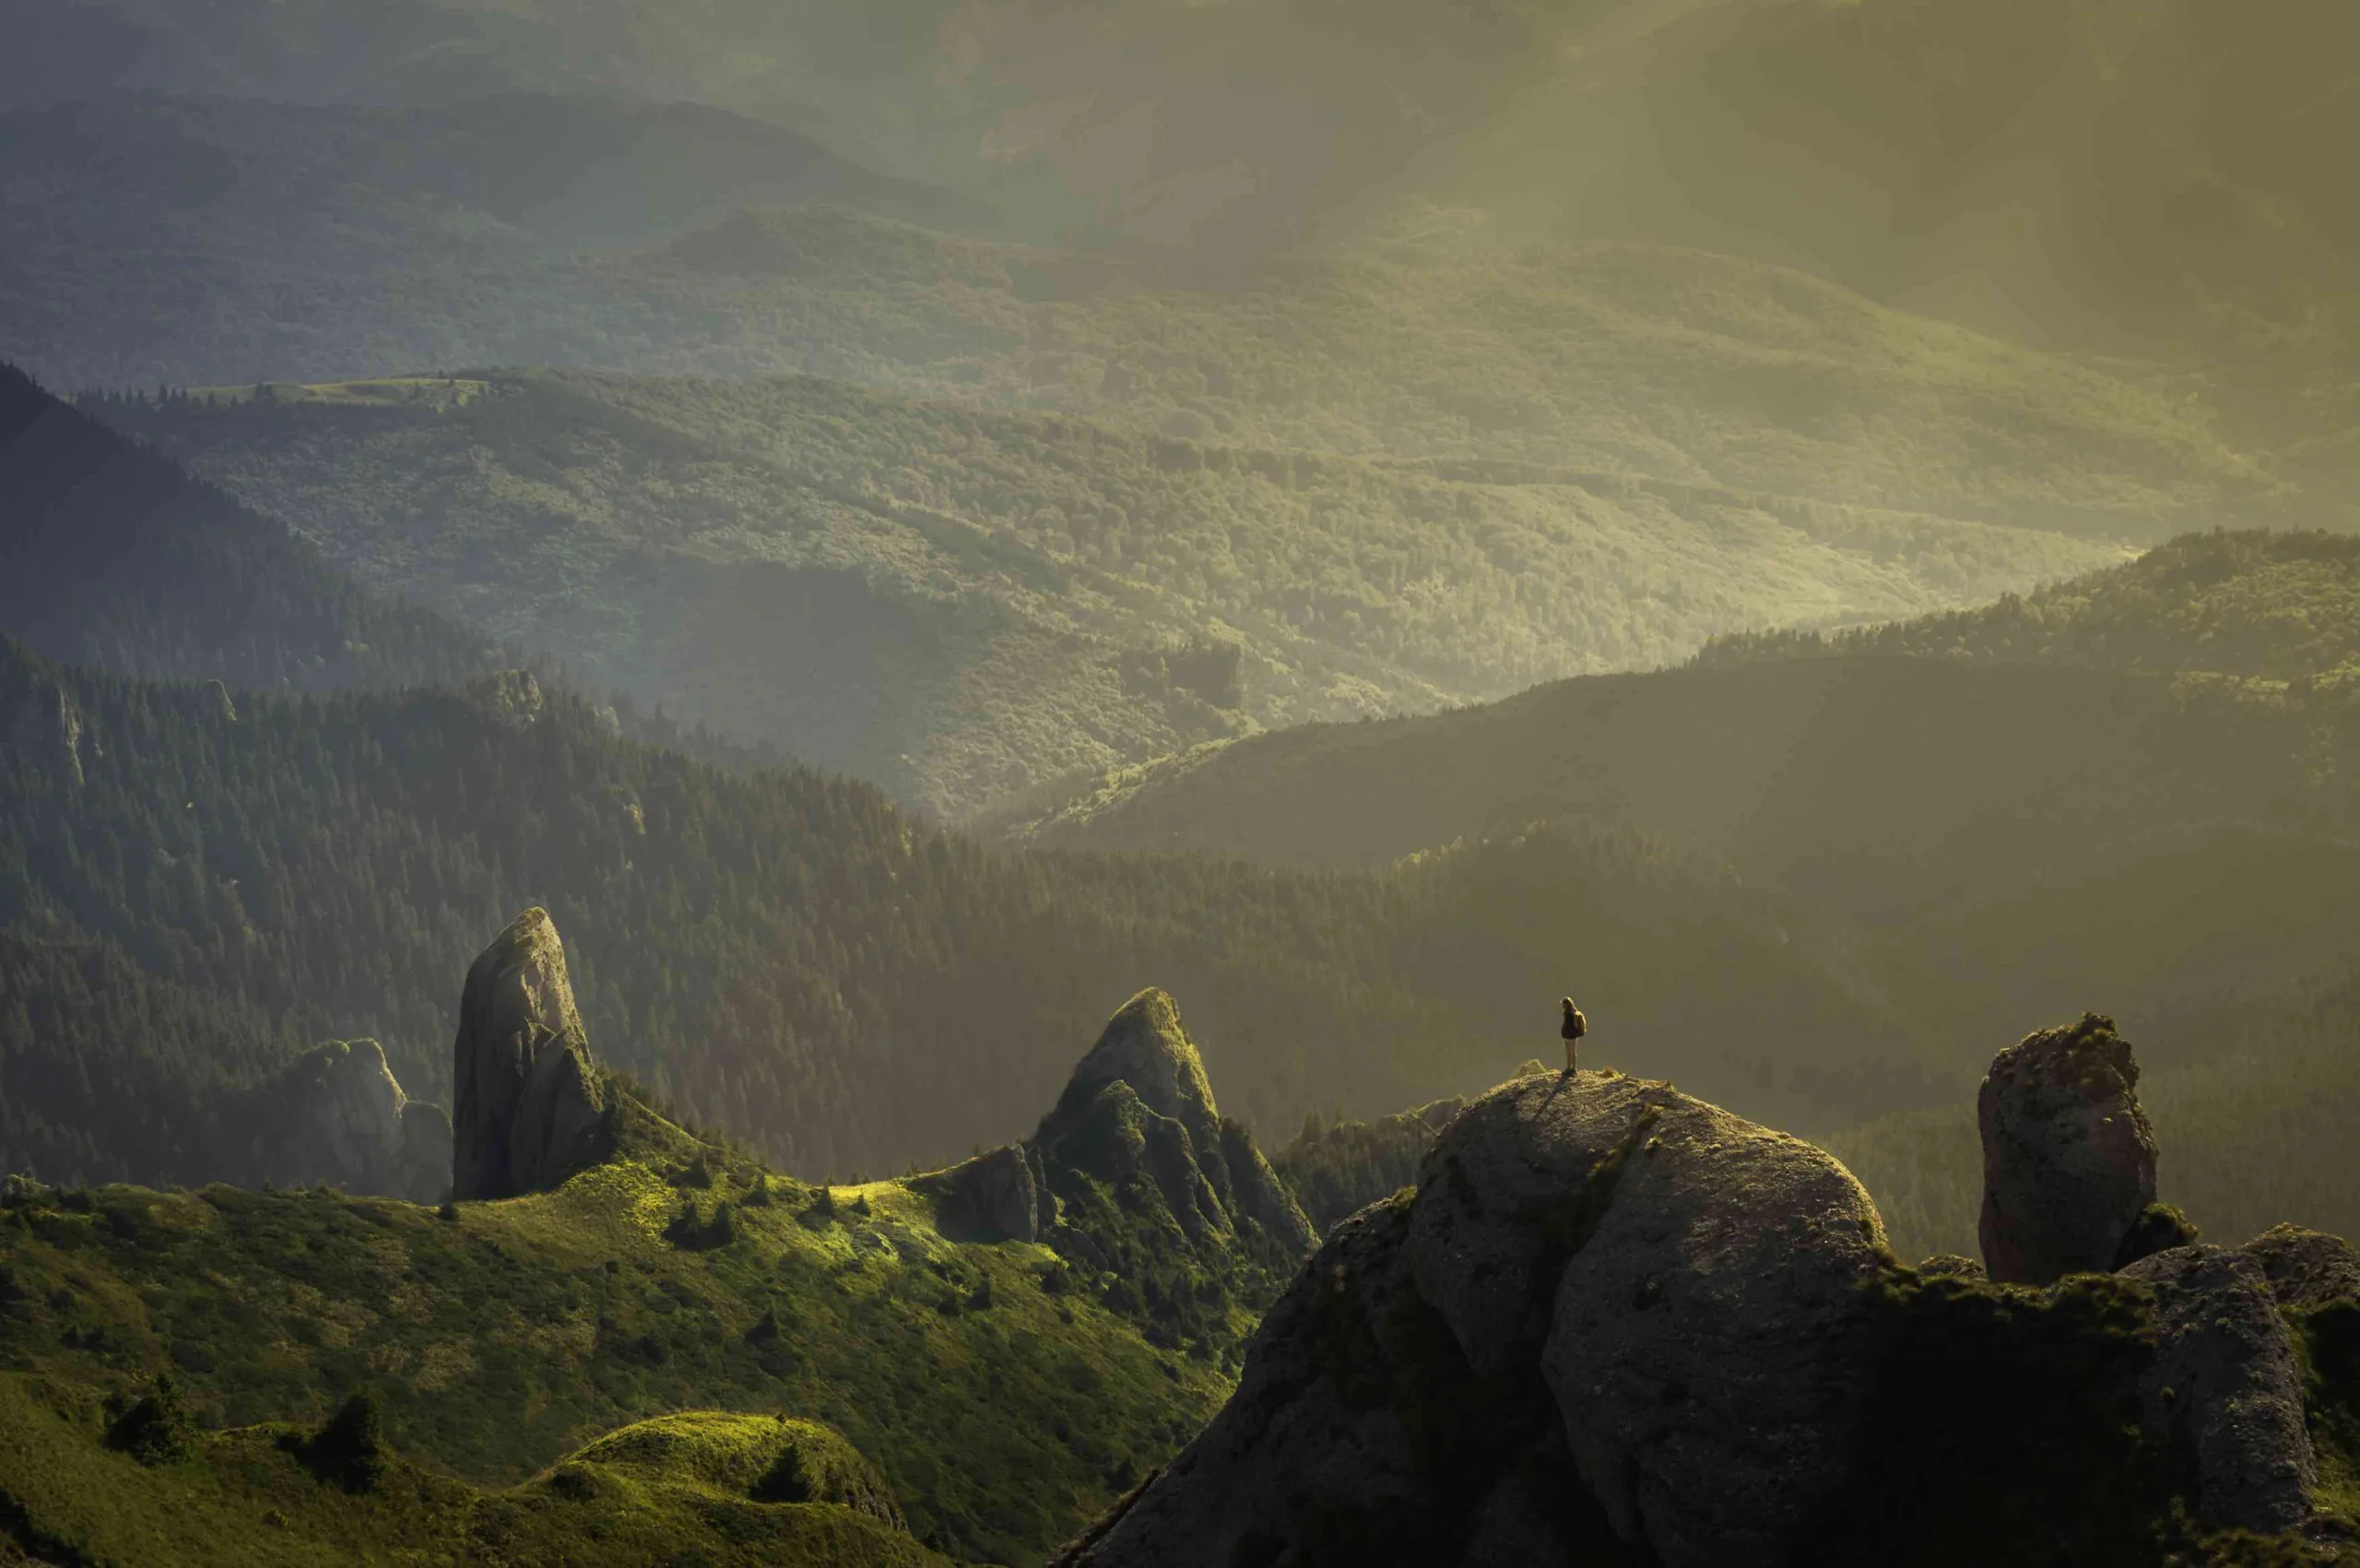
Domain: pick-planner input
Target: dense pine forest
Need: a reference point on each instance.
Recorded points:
(784, 954)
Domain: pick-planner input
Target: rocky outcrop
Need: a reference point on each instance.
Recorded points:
(993, 1197)
(1704, 1349)
(2225, 1391)
(336, 1114)
(1607, 1310)
(2069, 1161)
(1138, 1108)
(529, 1109)
(1136, 1180)
(2306, 1270)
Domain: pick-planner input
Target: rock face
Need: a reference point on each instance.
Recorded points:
(335, 1114)
(2224, 1390)
(993, 1197)
(1613, 1324)
(2306, 1270)
(1156, 1202)
(529, 1108)
(1139, 1106)
(1607, 1310)
(2069, 1161)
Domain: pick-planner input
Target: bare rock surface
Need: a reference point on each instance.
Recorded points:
(992, 1197)
(2306, 1268)
(1600, 1291)
(2225, 1390)
(2068, 1160)
(1313, 1439)
(1145, 1046)
(529, 1109)
(1499, 1195)
(1705, 1350)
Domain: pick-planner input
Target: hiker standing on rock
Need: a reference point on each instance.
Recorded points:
(1572, 1031)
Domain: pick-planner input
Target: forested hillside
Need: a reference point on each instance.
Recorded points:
(2278, 607)
(2130, 792)
(110, 554)
(959, 604)
(785, 955)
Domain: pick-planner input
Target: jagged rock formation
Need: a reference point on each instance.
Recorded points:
(2224, 1392)
(529, 1107)
(1137, 1180)
(1646, 1303)
(1139, 1105)
(2069, 1161)
(336, 1114)
(1613, 1324)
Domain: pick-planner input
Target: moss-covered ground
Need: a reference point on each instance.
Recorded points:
(1004, 1403)
(246, 1496)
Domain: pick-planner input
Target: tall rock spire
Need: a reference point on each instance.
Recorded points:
(528, 1108)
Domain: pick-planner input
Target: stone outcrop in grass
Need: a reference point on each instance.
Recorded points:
(530, 1109)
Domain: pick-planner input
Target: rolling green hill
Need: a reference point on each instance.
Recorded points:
(960, 605)
(1003, 1394)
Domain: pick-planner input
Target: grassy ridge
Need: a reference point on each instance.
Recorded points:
(1003, 1406)
(245, 1496)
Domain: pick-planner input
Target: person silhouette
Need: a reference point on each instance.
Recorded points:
(1571, 1030)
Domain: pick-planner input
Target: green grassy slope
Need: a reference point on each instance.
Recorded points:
(246, 1496)
(1003, 1403)
(960, 605)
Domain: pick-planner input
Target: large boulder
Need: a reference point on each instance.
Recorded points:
(1507, 1195)
(1327, 1453)
(1705, 1346)
(1608, 1315)
(529, 1109)
(2225, 1390)
(2069, 1161)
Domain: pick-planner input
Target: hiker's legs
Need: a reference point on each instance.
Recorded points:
(1571, 1045)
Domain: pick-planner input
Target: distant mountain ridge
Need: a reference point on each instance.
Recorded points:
(960, 604)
